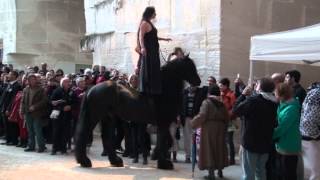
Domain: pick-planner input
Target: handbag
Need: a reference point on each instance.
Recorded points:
(55, 114)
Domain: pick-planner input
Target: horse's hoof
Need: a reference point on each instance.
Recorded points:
(116, 162)
(86, 163)
(165, 164)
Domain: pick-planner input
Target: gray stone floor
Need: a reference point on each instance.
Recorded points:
(18, 165)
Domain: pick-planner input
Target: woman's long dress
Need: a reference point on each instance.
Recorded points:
(149, 65)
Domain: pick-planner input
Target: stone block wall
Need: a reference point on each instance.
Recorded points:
(193, 25)
(49, 31)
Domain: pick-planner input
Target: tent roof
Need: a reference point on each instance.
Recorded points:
(293, 46)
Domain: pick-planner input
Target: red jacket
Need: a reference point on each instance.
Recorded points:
(14, 111)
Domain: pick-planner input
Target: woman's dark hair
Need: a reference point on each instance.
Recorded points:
(148, 13)
(215, 91)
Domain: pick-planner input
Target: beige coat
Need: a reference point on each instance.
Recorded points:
(213, 119)
(39, 101)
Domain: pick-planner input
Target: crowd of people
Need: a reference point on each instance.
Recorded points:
(41, 106)
(280, 127)
(279, 119)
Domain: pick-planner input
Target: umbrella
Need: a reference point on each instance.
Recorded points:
(194, 151)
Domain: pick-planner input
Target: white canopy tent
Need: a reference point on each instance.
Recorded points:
(298, 46)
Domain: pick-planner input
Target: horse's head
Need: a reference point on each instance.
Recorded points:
(189, 71)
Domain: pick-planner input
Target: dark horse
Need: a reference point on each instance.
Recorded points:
(107, 101)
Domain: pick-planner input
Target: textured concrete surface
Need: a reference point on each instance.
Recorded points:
(18, 165)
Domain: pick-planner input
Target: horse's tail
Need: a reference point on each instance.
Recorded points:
(82, 130)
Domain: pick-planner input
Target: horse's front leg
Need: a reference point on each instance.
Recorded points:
(164, 142)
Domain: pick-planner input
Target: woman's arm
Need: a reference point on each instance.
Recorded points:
(200, 118)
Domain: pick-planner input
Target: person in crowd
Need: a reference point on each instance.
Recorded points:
(213, 119)
(239, 86)
(52, 84)
(103, 76)
(278, 78)
(34, 109)
(287, 132)
(138, 130)
(229, 98)
(176, 54)
(62, 101)
(95, 72)
(79, 93)
(43, 69)
(89, 78)
(3, 86)
(52, 71)
(148, 48)
(192, 100)
(258, 121)
(35, 69)
(174, 129)
(293, 78)
(310, 131)
(12, 128)
(16, 117)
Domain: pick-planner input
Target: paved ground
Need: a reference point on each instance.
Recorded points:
(18, 165)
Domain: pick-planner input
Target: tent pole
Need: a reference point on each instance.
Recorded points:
(250, 73)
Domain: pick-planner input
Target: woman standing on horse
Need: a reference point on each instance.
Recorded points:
(149, 61)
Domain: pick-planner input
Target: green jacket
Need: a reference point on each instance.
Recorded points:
(287, 132)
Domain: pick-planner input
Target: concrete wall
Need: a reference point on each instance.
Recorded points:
(8, 25)
(49, 31)
(243, 18)
(193, 25)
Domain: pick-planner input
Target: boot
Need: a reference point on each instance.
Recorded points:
(23, 143)
(174, 156)
(135, 160)
(210, 176)
(145, 161)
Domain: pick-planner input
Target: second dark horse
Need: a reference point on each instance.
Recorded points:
(107, 101)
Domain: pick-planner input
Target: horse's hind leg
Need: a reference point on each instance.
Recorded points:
(108, 128)
(83, 131)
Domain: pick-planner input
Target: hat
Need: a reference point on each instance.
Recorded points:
(214, 90)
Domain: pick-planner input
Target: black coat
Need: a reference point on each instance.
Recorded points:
(8, 96)
(68, 97)
(200, 95)
(259, 120)
(299, 93)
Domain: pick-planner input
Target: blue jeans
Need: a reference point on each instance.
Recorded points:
(254, 165)
(34, 130)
